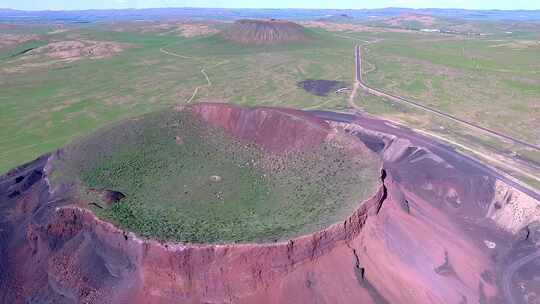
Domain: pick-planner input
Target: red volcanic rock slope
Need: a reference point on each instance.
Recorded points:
(275, 129)
(397, 247)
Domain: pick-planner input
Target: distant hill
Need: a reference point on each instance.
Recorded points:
(250, 31)
(10, 15)
(408, 19)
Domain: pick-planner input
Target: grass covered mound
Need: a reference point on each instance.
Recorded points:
(187, 181)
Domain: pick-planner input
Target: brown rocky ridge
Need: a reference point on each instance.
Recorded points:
(9, 40)
(401, 20)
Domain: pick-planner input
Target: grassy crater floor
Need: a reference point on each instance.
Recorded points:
(187, 181)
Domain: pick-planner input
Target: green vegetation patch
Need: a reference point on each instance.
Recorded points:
(186, 181)
(149, 76)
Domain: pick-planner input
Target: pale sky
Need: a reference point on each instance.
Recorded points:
(324, 4)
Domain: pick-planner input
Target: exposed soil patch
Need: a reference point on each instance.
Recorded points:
(196, 29)
(13, 39)
(349, 27)
(7, 26)
(321, 87)
(78, 49)
(518, 44)
(182, 28)
(403, 19)
(272, 31)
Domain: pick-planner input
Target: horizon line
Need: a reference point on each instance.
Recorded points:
(261, 8)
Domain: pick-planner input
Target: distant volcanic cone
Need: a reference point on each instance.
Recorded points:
(260, 32)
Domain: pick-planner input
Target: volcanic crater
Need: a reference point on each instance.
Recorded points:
(236, 175)
(216, 203)
(266, 32)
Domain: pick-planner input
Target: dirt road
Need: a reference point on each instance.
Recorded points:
(203, 71)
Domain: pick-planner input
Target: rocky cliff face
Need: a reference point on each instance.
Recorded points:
(261, 32)
(409, 243)
(56, 251)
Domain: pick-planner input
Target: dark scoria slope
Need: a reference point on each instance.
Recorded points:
(436, 231)
(261, 32)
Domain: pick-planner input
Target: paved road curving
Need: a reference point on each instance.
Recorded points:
(378, 92)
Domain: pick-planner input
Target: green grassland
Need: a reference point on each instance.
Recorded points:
(46, 104)
(492, 80)
(186, 181)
